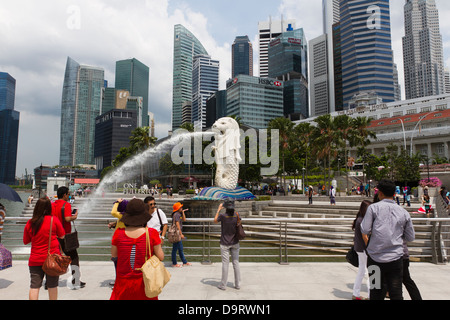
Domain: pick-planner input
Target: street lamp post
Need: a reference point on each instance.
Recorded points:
(417, 125)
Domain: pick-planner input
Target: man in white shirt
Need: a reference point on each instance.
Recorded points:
(159, 220)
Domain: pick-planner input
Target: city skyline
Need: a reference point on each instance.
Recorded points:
(38, 37)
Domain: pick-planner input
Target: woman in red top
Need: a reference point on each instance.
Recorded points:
(128, 247)
(37, 232)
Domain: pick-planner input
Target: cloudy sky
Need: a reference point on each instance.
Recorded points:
(36, 37)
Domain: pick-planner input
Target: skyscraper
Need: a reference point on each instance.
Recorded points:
(242, 56)
(269, 30)
(423, 56)
(133, 76)
(9, 129)
(186, 46)
(366, 49)
(205, 82)
(81, 103)
(254, 100)
(288, 61)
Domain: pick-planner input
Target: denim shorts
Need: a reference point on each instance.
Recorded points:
(37, 277)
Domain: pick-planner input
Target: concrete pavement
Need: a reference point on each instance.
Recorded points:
(260, 281)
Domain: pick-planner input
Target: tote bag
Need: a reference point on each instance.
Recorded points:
(154, 273)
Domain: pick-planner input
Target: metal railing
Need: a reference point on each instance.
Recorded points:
(280, 240)
(441, 232)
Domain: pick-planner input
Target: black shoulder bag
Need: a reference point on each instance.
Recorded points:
(71, 239)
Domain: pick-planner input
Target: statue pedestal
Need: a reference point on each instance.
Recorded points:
(216, 193)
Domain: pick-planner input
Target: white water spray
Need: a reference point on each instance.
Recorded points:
(130, 167)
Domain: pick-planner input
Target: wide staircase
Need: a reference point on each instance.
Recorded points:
(329, 232)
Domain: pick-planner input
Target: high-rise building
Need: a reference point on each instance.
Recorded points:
(112, 132)
(186, 46)
(269, 30)
(133, 76)
(397, 86)
(319, 86)
(205, 82)
(447, 80)
(9, 129)
(81, 104)
(331, 17)
(255, 100)
(242, 56)
(288, 62)
(366, 49)
(423, 56)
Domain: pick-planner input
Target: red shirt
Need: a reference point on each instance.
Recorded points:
(56, 211)
(124, 245)
(39, 241)
(129, 283)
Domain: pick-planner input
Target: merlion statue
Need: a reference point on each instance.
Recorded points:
(227, 152)
(227, 156)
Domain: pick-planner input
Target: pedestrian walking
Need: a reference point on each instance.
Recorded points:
(178, 217)
(62, 210)
(388, 226)
(310, 194)
(37, 232)
(359, 242)
(129, 247)
(229, 244)
(409, 283)
(332, 196)
(397, 194)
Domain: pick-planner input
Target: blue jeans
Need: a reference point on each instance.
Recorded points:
(178, 247)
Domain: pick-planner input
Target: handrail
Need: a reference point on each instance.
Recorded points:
(268, 239)
(438, 235)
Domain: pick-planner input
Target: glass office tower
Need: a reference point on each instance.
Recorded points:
(255, 100)
(186, 46)
(9, 129)
(288, 61)
(81, 104)
(242, 56)
(133, 76)
(366, 49)
(205, 82)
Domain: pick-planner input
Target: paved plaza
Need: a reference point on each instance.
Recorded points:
(260, 281)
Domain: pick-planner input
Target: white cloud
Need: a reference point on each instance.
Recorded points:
(37, 37)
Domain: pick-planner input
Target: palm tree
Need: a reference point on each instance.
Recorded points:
(140, 140)
(284, 127)
(303, 142)
(326, 140)
(361, 136)
(346, 130)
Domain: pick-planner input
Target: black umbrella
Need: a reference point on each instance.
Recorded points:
(7, 193)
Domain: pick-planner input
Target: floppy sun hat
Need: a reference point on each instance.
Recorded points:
(136, 213)
(177, 206)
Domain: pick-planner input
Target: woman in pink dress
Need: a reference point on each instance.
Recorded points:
(128, 247)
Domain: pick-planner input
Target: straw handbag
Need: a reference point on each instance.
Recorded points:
(55, 265)
(154, 273)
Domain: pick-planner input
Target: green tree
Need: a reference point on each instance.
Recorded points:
(285, 127)
(326, 141)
